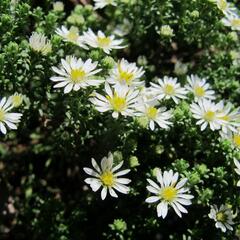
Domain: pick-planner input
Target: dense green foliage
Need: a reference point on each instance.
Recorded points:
(42, 189)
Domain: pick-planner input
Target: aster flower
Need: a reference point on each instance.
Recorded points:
(199, 88)
(169, 192)
(225, 7)
(71, 35)
(75, 74)
(106, 43)
(126, 73)
(232, 21)
(234, 137)
(153, 114)
(104, 3)
(168, 88)
(16, 99)
(223, 217)
(230, 117)
(7, 118)
(207, 113)
(237, 169)
(39, 43)
(121, 100)
(108, 177)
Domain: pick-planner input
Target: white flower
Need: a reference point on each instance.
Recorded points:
(232, 21)
(170, 192)
(121, 100)
(106, 43)
(207, 113)
(234, 137)
(75, 74)
(126, 73)
(231, 118)
(107, 177)
(39, 43)
(226, 7)
(71, 35)
(104, 3)
(199, 88)
(237, 170)
(16, 99)
(168, 88)
(154, 115)
(6, 118)
(222, 217)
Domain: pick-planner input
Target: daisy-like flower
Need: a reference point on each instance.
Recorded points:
(232, 21)
(71, 35)
(237, 169)
(106, 43)
(225, 7)
(121, 100)
(234, 137)
(156, 115)
(168, 88)
(7, 118)
(75, 74)
(108, 177)
(39, 43)
(170, 192)
(199, 88)
(16, 99)
(126, 73)
(222, 216)
(207, 113)
(104, 3)
(231, 118)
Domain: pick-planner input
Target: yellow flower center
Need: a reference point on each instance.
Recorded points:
(2, 115)
(236, 22)
(118, 103)
(236, 139)
(199, 91)
(16, 100)
(169, 193)
(103, 41)
(225, 118)
(222, 5)
(169, 89)
(77, 75)
(209, 116)
(73, 34)
(221, 217)
(152, 112)
(125, 76)
(107, 179)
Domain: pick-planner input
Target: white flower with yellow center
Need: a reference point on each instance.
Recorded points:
(232, 21)
(75, 74)
(108, 177)
(222, 216)
(104, 3)
(7, 118)
(237, 169)
(199, 88)
(207, 113)
(126, 73)
(231, 118)
(225, 7)
(170, 192)
(234, 137)
(39, 43)
(155, 114)
(168, 88)
(106, 43)
(121, 100)
(16, 99)
(71, 35)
